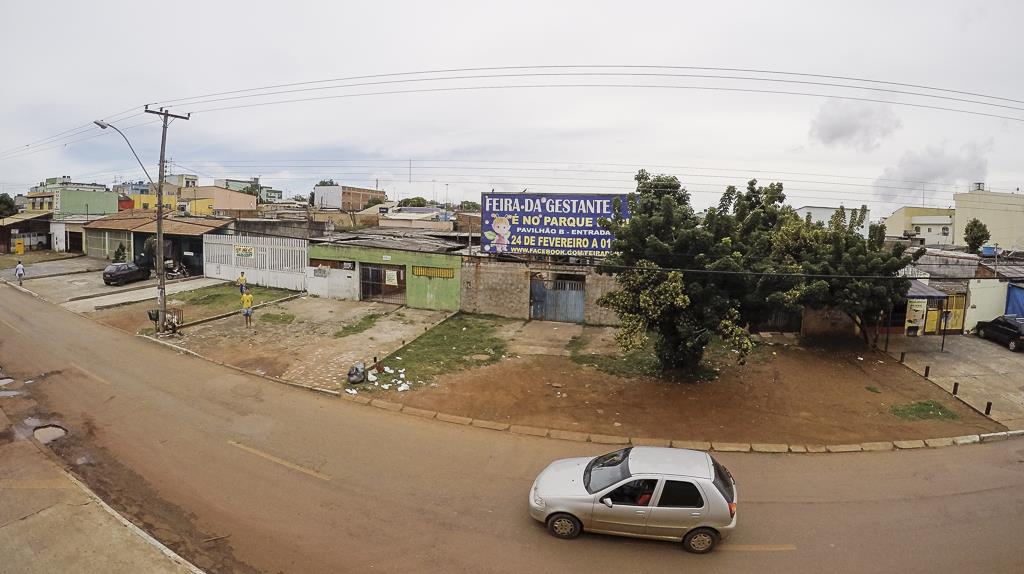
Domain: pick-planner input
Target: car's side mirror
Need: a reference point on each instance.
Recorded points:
(606, 501)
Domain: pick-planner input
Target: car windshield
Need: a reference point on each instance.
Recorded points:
(115, 267)
(606, 470)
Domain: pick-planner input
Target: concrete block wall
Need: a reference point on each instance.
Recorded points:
(503, 288)
(495, 288)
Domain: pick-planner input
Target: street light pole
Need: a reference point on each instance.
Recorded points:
(161, 275)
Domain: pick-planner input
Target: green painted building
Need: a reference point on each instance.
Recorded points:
(422, 273)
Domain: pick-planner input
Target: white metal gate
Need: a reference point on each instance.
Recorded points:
(268, 261)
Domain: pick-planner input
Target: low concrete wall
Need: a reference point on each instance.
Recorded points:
(333, 283)
(503, 288)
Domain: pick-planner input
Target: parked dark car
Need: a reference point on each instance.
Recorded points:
(121, 273)
(1008, 330)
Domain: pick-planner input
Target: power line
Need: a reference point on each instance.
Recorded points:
(590, 66)
(595, 74)
(628, 86)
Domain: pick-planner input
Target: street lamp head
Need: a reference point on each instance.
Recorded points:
(103, 125)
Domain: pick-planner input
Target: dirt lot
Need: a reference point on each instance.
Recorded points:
(9, 260)
(195, 304)
(309, 340)
(784, 394)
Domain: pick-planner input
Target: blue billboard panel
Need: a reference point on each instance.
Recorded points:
(548, 223)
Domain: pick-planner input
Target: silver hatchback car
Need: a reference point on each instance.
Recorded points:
(645, 492)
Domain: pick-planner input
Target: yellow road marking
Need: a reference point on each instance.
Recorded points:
(280, 461)
(12, 327)
(90, 374)
(757, 547)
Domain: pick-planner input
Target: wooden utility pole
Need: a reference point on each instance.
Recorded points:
(161, 275)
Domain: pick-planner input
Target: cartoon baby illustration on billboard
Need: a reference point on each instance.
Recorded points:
(501, 232)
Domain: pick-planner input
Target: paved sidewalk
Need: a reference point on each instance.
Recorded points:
(50, 523)
(985, 370)
(125, 297)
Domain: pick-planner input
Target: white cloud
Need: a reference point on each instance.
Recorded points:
(859, 125)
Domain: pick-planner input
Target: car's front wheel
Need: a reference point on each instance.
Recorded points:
(1013, 345)
(700, 540)
(981, 333)
(564, 526)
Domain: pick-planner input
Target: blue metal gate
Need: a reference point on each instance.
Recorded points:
(557, 300)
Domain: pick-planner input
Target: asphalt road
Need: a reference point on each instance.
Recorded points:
(309, 483)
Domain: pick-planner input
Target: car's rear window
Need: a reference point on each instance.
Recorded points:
(723, 482)
(116, 267)
(606, 470)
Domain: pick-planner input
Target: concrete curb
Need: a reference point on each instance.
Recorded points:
(574, 436)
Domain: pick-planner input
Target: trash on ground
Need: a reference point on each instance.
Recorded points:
(357, 374)
(6, 382)
(352, 391)
(4, 394)
(860, 358)
(403, 387)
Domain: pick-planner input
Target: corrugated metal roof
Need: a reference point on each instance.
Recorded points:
(24, 216)
(1010, 269)
(919, 290)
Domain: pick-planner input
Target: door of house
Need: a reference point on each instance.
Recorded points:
(557, 299)
(383, 283)
(74, 241)
(957, 305)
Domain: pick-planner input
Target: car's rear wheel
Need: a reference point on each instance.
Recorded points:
(700, 540)
(564, 526)
(1013, 345)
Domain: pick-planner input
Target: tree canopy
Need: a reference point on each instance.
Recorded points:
(470, 206)
(374, 201)
(327, 182)
(975, 235)
(413, 202)
(7, 206)
(685, 277)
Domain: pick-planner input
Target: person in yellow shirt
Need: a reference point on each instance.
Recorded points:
(241, 281)
(247, 306)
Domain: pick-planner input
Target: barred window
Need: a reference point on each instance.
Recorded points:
(438, 272)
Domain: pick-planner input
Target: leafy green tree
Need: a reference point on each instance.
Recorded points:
(327, 182)
(842, 269)
(299, 197)
(663, 234)
(120, 254)
(7, 206)
(470, 206)
(413, 202)
(975, 235)
(374, 201)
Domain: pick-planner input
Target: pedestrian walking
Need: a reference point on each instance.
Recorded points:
(247, 306)
(19, 272)
(241, 281)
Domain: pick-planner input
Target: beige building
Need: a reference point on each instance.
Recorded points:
(933, 225)
(1002, 213)
(225, 201)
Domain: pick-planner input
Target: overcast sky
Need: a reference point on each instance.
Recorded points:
(67, 63)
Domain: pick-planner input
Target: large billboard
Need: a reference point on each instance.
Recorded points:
(548, 223)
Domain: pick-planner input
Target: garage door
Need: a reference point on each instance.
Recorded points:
(75, 241)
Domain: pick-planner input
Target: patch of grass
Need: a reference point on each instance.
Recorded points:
(923, 410)
(640, 361)
(364, 323)
(450, 346)
(276, 318)
(147, 331)
(9, 260)
(224, 298)
(873, 389)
